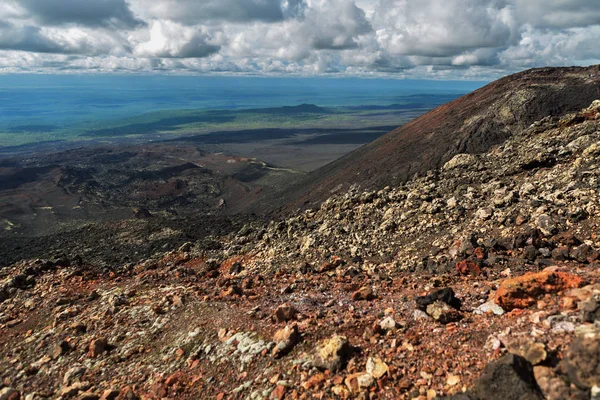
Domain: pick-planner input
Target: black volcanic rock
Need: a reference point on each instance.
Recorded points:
(445, 295)
(509, 378)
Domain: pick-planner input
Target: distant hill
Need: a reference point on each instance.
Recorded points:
(471, 124)
(300, 109)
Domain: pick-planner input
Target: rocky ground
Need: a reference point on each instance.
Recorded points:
(479, 281)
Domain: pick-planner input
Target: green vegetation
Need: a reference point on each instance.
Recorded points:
(186, 122)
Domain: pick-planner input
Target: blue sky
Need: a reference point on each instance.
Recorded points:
(434, 39)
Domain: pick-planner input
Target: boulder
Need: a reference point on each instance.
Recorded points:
(523, 291)
(583, 362)
(509, 378)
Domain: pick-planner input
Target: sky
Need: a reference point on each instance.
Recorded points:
(427, 39)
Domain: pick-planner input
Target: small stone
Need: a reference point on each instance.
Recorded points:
(332, 353)
(88, 396)
(358, 381)
(445, 295)
(109, 394)
(60, 349)
(484, 213)
(232, 291)
(388, 324)
(74, 389)
(285, 339)
(376, 367)
(546, 225)
(278, 393)
(9, 393)
(488, 307)
(364, 293)
(591, 310)
(73, 375)
(467, 267)
(532, 351)
(453, 380)
(443, 313)
(97, 347)
(285, 312)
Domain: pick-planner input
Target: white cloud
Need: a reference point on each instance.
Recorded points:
(170, 40)
(428, 38)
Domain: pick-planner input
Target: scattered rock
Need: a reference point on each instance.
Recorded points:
(285, 312)
(488, 307)
(332, 354)
(510, 377)
(532, 351)
(443, 313)
(97, 347)
(445, 295)
(583, 362)
(523, 291)
(591, 310)
(285, 339)
(364, 293)
(467, 267)
(359, 381)
(388, 324)
(376, 367)
(9, 393)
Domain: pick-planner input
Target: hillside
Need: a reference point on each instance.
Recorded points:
(478, 280)
(471, 124)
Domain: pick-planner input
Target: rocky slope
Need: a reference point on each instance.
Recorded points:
(479, 281)
(470, 124)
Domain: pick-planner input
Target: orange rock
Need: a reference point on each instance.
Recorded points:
(278, 393)
(314, 381)
(522, 292)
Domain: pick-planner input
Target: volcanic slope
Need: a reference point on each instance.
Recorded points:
(479, 280)
(471, 124)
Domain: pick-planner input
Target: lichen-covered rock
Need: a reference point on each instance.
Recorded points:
(443, 313)
(332, 353)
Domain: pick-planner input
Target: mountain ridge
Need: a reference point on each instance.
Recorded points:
(491, 114)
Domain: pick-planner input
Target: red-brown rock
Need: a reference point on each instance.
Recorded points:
(97, 347)
(467, 267)
(522, 292)
(285, 312)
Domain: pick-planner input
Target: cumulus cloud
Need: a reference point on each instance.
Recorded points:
(417, 38)
(170, 40)
(90, 13)
(558, 13)
(441, 28)
(193, 11)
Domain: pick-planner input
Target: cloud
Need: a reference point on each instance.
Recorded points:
(193, 11)
(114, 13)
(170, 40)
(73, 40)
(441, 28)
(406, 38)
(558, 13)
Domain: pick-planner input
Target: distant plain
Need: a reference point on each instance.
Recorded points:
(299, 123)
